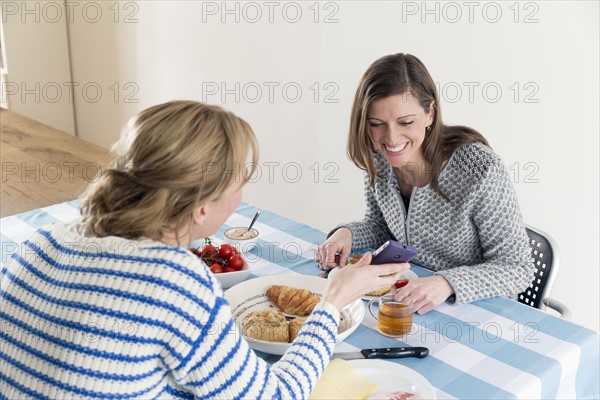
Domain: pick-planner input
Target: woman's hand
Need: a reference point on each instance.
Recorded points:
(338, 243)
(355, 280)
(425, 293)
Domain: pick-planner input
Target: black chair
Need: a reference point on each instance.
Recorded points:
(544, 252)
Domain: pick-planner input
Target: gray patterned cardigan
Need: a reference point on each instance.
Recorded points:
(477, 242)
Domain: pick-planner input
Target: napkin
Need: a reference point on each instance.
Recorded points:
(342, 381)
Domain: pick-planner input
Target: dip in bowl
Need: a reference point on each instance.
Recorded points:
(241, 238)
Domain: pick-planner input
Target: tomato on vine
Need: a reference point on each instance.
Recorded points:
(209, 251)
(216, 268)
(236, 262)
(225, 251)
(221, 259)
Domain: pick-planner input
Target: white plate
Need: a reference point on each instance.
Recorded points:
(410, 275)
(392, 377)
(251, 296)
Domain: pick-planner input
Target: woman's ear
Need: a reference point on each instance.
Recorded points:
(199, 215)
(431, 113)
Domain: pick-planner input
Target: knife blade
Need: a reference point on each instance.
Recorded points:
(389, 352)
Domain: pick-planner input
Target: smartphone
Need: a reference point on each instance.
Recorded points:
(393, 252)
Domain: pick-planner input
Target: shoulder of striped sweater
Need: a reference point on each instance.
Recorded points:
(72, 233)
(68, 237)
(182, 262)
(178, 260)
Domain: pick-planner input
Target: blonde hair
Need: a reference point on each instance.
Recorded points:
(170, 159)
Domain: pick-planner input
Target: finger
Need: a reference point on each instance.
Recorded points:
(328, 265)
(344, 255)
(421, 306)
(325, 264)
(425, 309)
(392, 270)
(403, 293)
(330, 250)
(329, 261)
(365, 259)
(399, 296)
(320, 253)
(320, 257)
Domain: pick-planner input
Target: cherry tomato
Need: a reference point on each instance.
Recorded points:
(225, 251)
(229, 269)
(236, 262)
(209, 250)
(401, 283)
(216, 268)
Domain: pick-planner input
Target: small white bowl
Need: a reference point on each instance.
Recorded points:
(229, 279)
(242, 245)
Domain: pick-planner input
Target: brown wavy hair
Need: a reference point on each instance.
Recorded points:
(170, 159)
(400, 74)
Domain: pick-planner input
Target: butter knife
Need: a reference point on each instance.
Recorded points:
(389, 352)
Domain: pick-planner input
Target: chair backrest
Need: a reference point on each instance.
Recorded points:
(545, 257)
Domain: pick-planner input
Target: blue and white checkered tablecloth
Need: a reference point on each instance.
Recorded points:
(494, 348)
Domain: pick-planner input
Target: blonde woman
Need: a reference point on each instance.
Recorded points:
(115, 306)
(437, 187)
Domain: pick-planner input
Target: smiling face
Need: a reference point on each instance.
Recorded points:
(397, 127)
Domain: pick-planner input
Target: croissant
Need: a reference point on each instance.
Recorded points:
(293, 301)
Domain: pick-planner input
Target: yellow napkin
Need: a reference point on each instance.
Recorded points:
(341, 381)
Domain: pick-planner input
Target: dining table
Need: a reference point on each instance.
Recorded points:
(495, 348)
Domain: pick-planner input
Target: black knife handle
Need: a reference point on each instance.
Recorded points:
(395, 352)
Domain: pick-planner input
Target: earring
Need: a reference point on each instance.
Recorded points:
(428, 128)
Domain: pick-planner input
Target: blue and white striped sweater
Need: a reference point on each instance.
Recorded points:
(112, 318)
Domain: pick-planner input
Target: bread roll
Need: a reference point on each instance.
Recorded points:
(294, 327)
(267, 325)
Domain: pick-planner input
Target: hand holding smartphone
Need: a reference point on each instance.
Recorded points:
(393, 252)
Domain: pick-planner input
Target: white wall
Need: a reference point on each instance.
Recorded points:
(547, 135)
(38, 72)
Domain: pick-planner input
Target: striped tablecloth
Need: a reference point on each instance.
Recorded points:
(494, 348)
